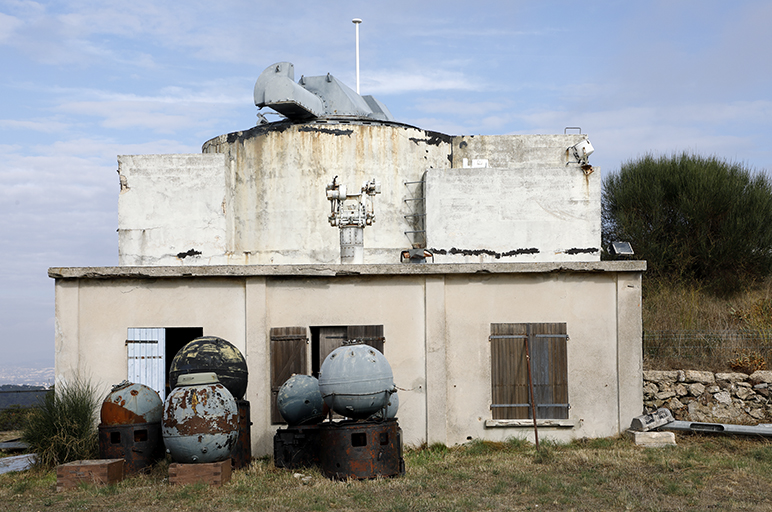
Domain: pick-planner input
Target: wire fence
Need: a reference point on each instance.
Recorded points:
(708, 350)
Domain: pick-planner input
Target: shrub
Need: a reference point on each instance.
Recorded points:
(747, 362)
(63, 427)
(693, 219)
(14, 417)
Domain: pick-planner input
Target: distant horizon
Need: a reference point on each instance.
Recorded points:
(26, 375)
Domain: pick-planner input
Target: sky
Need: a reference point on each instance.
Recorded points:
(83, 81)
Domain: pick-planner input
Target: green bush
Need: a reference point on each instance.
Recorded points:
(694, 219)
(63, 427)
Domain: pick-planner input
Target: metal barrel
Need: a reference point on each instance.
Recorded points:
(297, 447)
(138, 444)
(361, 450)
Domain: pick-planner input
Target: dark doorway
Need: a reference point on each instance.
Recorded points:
(176, 338)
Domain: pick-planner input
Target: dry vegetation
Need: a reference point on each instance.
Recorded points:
(708, 325)
(689, 307)
(702, 473)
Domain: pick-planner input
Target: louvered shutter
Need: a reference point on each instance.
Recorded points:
(288, 357)
(509, 370)
(146, 350)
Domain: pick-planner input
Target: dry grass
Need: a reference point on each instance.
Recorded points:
(702, 473)
(707, 327)
(688, 307)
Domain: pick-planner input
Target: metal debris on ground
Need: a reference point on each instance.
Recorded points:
(663, 419)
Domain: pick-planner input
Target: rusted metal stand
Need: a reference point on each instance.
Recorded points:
(530, 385)
(140, 444)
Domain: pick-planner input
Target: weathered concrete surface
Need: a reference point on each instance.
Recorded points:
(279, 173)
(514, 151)
(153, 272)
(258, 197)
(172, 209)
(537, 213)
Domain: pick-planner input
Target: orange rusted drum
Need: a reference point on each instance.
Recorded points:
(129, 403)
(200, 420)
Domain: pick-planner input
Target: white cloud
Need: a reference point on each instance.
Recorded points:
(8, 24)
(38, 125)
(398, 81)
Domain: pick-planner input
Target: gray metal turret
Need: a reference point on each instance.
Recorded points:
(314, 96)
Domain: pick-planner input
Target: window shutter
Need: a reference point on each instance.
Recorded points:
(550, 369)
(369, 334)
(288, 357)
(509, 370)
(145, 350)
(330, 338)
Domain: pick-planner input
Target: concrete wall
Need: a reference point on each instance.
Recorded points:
(172, 209)
(279, 206)
(513, 214)
(436, 322)
(258, 197)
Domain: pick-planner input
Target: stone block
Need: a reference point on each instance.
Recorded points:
(761, 377)
(696, 389)
(659, 376)
(664, 395)
(731, 377)
(723, 397)
(652, 439)
(699, 377)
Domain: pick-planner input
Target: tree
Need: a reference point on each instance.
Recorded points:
(692, 218)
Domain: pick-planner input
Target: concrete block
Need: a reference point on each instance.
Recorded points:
(652, 439)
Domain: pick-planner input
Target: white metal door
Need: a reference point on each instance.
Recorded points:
(146, 348)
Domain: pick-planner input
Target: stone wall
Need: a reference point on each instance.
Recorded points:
(691, 395)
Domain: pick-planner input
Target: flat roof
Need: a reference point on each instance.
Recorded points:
(327, 270)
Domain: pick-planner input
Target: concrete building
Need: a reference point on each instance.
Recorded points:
(236, 242)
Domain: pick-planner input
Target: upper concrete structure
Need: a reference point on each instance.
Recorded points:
(258, 197)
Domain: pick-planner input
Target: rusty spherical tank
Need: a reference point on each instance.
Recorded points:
(300, 402)
(200, 420)
(356, 381)
(212, 354)
(129, 403)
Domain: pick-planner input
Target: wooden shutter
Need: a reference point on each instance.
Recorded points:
(509, 370)
(146, 351)
(370, 334)
(550, 369)
(288, 357)
(509, 377)
(330, 338)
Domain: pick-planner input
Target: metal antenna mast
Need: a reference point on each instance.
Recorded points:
(356, 22)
